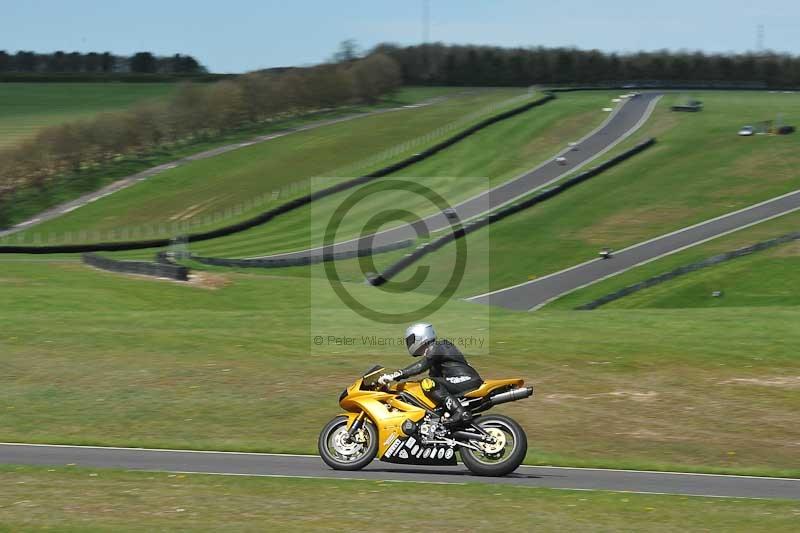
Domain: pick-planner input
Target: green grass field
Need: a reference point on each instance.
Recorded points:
(766, 278)
(698, 170)
(239, 184)
(73, 499)
(227, 362)
(25, 108)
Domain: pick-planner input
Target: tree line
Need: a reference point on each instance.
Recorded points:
(195, 111)
(440, 64)
(101, 63)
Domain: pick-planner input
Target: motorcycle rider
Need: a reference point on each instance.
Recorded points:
(449, 373)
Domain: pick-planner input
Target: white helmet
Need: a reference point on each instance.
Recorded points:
(418, 336)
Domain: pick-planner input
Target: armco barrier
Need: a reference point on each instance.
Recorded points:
(680, 271)
(502, 213)
(159, 270)
(300, 261)
(284, 208)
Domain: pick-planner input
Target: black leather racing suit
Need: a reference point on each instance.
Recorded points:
(449, 376)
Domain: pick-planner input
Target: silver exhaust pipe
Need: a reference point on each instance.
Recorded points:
(511, 396)
(504, 397)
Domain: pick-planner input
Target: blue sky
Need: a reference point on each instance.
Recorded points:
(242, 35)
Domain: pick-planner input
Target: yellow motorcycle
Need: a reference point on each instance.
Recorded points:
(399, 424)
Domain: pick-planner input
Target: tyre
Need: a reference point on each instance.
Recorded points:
(502, 457)
(340, 454)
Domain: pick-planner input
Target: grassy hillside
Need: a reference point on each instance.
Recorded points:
(244, 182)
(229, 362)
(767, 278)
(698, 170)
(83, 499)
(496, 154)
(27, 203)
(27, 107)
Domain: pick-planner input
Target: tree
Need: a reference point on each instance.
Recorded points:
(226, 105)
(107, 62)
(92, 62)
(374, 76)
(187, 111)
(73, 62)
(25, 61)
(143, 62)
(348, 52)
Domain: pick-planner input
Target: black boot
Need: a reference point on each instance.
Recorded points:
(459, 416)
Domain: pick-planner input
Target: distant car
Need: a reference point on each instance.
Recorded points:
(747, 131)
(450, 213)
(561, 160)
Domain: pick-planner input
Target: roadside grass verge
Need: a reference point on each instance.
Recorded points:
(227, 362)
(765, 278)
(699, 169)
(81, 499)
(236, 185)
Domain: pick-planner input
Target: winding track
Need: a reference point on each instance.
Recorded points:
(624, 121)
(534, 294)
(309, 466)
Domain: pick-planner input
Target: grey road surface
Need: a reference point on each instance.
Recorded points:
(624, 121)
(534, 294)
(312, 466)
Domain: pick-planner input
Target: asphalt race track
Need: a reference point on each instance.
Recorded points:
(534, 294)
(624, 121)
(309, 466)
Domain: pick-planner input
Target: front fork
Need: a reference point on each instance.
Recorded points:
(355, 423)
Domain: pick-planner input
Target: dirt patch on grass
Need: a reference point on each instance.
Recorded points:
(649, 434)
(634, 225)
(791, 249)
(194, 210)
(791, 382)
(618, 394)
(208, 280)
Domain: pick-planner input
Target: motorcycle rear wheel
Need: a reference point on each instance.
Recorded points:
(502, 461)
(342, 455)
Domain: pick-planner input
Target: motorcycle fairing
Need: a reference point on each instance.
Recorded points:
(410, 451)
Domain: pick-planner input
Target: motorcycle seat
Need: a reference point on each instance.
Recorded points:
(492, 384)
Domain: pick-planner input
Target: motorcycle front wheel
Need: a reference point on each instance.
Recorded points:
(342, 454)
(502, 456)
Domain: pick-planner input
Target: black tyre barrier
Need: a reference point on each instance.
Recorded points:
(144, 268)
(686, 269)
(292, 205)
(301, 261)
(500, 214)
